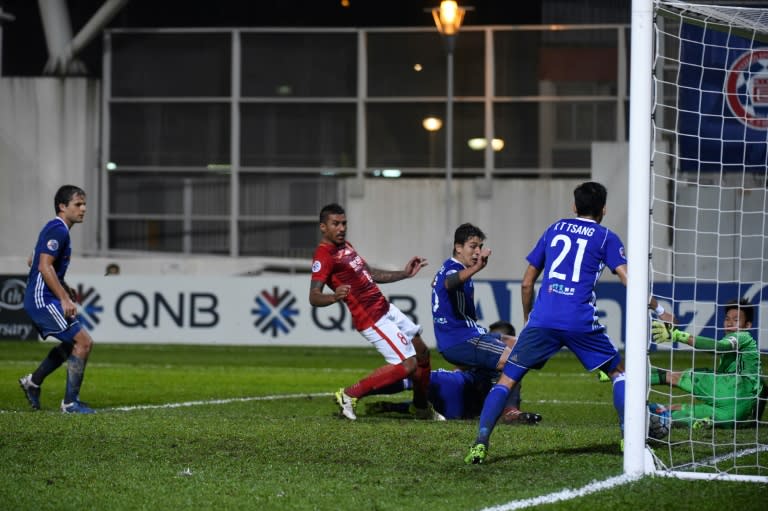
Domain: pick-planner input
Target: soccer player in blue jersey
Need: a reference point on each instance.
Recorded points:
(456, 394)
(459, 394)
(50, 302)
(571, 254)
(460, 338)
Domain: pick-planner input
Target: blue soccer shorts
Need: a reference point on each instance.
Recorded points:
(478, 352)
(50, 321)
(536, 345)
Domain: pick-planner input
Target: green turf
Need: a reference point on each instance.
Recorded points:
(295, 453)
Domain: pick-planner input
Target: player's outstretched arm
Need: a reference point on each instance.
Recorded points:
(661, 313)
(412, 267)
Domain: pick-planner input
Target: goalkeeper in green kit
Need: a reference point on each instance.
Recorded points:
(727, 394)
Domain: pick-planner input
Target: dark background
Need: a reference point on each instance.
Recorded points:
(25, 52)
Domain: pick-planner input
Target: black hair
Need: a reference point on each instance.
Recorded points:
(589, 199)
(501, 326)
(466, 231)
(743, 305)
(330, 209)
(65, 194)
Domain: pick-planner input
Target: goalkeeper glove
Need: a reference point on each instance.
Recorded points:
(665, 332)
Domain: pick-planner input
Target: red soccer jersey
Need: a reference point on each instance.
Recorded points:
(336, 265)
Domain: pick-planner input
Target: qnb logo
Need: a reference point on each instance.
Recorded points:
(90, 309)
(12, 294)
(274, 312)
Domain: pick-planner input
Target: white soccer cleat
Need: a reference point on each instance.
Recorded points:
(346, 404)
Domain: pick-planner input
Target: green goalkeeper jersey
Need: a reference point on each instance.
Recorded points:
(737, 353)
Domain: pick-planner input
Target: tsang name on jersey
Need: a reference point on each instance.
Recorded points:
(583, 230)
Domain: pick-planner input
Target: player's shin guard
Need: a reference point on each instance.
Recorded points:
(618, 397)
(421, 380)
(379, 378)
(53, 361)
(75, 374)
(492, 408)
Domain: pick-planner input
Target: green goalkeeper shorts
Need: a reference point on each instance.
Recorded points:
(718, 397)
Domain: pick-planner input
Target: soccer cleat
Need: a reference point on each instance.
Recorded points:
(477, 454)
(76, 407)
(602, 377)
(346, 404)
(427, 413)
(513, 416)
(31, 391)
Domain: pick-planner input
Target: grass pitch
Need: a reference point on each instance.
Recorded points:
(193, 427)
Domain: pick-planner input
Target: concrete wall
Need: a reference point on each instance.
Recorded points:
(48, 137)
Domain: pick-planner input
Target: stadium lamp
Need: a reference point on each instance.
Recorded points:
(448, 18)
(479, 144)
(432, 123)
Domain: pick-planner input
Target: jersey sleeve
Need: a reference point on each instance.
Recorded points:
(614, 252)
(53, 240)
(321, 265)
(739, 341)
(745, 342)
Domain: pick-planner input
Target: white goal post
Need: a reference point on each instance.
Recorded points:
(697, 221)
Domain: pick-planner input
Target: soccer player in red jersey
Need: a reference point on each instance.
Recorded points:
(337, 264)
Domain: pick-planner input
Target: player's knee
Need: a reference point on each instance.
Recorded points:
(613, 367)
(512, 372)
(83, 344)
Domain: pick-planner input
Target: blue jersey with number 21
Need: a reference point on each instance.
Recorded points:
(572, 254)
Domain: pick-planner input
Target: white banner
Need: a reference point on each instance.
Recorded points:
(228, 310)
(276, 310)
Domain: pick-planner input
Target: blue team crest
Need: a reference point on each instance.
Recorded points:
(52, 245)
(746, 88)
(316, 267)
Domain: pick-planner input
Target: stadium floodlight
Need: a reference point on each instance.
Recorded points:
(698, 221)
(448, 19)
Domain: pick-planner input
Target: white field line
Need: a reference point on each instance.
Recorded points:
(225, 401)
(282, 396)
(724, 457)
(217, 402)
(609, 483)
(567, 494)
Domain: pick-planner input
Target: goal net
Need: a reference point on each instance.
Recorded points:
(709, 237)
